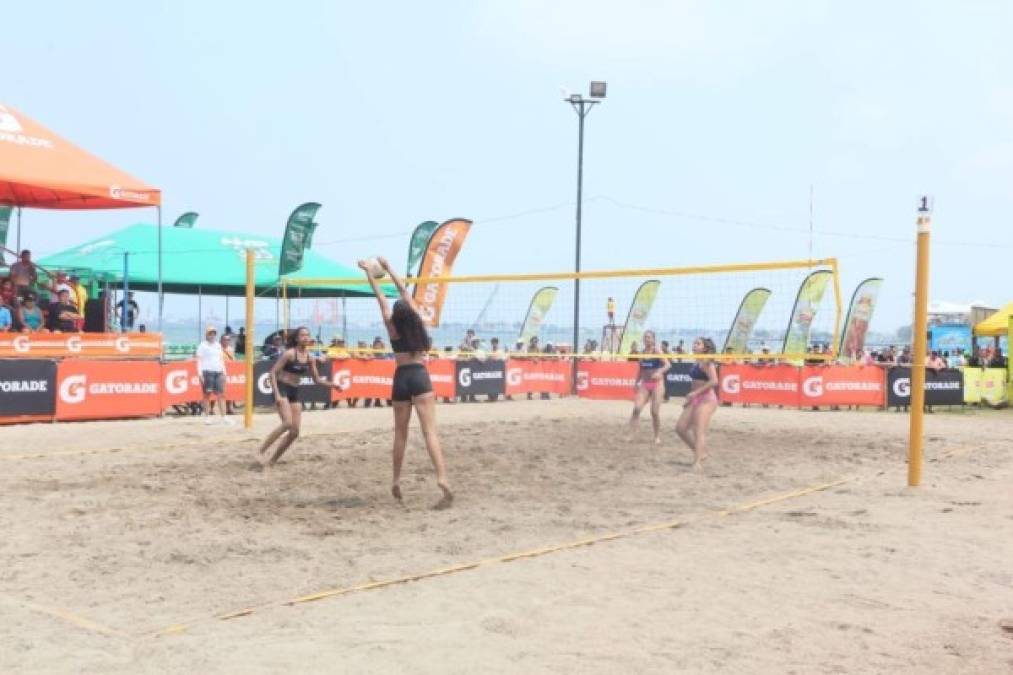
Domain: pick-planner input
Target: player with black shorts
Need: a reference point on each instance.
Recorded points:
(410, 342)
(292, 366)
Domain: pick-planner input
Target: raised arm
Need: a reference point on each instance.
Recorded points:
(384, 307)
(398, 282)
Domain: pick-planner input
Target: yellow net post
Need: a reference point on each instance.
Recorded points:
(920, 333)
(251, 291)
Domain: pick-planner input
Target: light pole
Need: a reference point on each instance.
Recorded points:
(582, 106)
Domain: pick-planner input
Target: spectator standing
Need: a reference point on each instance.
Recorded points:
(273, 348)
(79, 293)
(211, 371)
(241, 342)
(24, 274)
(905, 357)
(610, 307)
(132, 308)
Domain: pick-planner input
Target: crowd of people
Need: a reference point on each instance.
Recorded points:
(29, 304)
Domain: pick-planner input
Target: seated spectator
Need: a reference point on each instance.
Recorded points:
(63, 315)
(997, 360)
(273, 349)
(337, 350)
(935, 361)
(142, 328)
(905, 357)
(79, 294)
(494, 350)
(8, 296)
(6, 319)
(30, 315)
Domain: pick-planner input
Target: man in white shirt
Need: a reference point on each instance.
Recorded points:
(211, 371)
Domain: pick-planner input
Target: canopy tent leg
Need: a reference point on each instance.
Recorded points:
(226, 312)
(19, 232)
(344, 319)
(124, 326)
(161, 295)
(200, 313)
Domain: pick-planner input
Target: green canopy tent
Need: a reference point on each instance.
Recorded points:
(209, 262)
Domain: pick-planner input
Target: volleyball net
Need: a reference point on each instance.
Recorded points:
(777, 310)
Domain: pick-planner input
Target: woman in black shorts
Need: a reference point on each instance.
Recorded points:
(294, 364)
(409, 341)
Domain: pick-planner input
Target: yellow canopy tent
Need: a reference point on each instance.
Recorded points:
(997, 324)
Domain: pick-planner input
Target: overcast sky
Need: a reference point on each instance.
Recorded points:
(719, 118)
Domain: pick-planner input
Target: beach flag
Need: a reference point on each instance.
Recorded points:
(636, 320)
(541, 302)
(417, 245)
(187, 219)
(745, 320)
(298, 237)
(437, 261)
(863, 303)
(807, 303)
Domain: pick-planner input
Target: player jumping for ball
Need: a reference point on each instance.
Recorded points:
(410, 342)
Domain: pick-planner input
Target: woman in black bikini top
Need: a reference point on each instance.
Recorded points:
(412, 387)
(291, 367)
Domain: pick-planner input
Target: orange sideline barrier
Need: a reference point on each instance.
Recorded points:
(808, 386)
(609, 380)
(81, 345)
(362, 378)
(180, 383)
(526, 376)
(443, 373)
(107, 389)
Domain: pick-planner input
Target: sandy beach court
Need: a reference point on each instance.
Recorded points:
(798, 550)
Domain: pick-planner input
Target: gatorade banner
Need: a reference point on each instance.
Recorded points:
(443, 375)
(362, 378)
(985, 385)
(418, 243)
(944, 387)
(309, 391)
(181, 384)
(807, 303)
(187, 220)
(438, 261)
(27, 387)
(636, 321)
(677, 379)
(608, 380)
(541, 303)
(538, 376)
(81, 345)
(745, 319)
(107, 389)
(298, 237)
(856, 325)
(476, 377)
(774, 385)
(842, 385)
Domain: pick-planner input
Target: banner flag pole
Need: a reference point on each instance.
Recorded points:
(250, 339)
(920, 333)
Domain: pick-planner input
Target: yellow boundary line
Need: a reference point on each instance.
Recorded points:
(509, 557)
(602, 274)
(65, 615)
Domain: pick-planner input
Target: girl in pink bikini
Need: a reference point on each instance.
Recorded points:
(701, 402)
(650, 385)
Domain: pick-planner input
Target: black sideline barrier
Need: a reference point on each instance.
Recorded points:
(309, 391)
(944, 387)
(476, 377)
(677, 380)
(27, 387)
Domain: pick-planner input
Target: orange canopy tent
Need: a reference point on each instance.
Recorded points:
(39, 169)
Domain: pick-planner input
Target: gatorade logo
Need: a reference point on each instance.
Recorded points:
(813, 387)
(72, 389)
(74, 344)
(22, 344)
(175, 382)
(902, 387)
(514, 377)
(464, 377)
(9, 122)
(264, 384)
(582, 380)
(343, 378)
(122, 345)
(731, 384)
